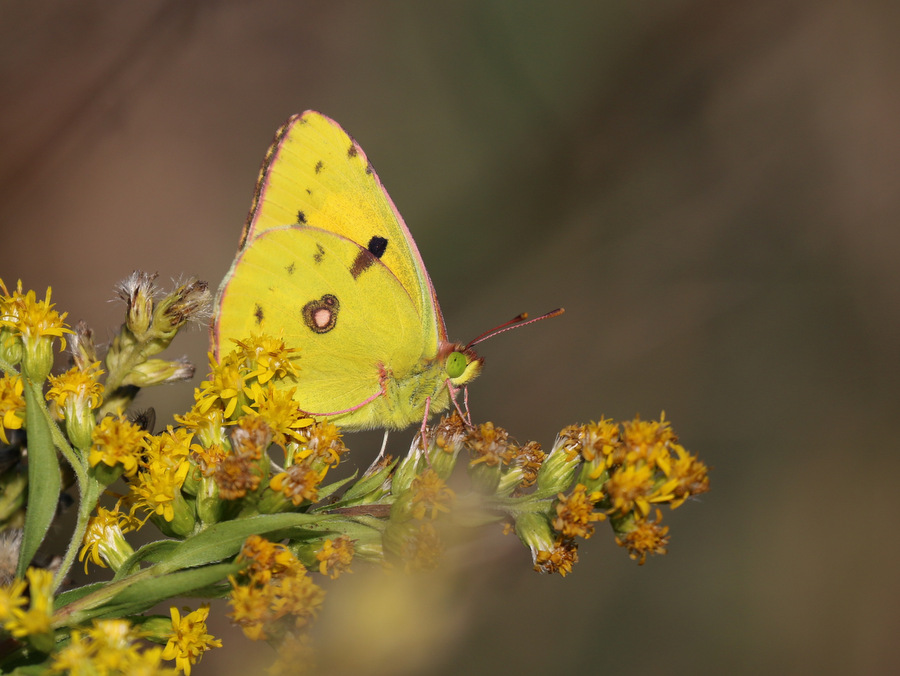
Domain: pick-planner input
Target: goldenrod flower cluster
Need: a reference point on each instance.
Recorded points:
(110, 647)
(609, 470)
(242, 489)
(274, 595)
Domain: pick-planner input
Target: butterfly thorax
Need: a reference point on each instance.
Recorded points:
(425, 388)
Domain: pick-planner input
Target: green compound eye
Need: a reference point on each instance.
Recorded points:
(456, 364)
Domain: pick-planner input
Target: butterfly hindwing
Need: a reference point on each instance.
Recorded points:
(337, 302)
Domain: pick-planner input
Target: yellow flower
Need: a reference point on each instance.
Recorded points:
(524, 463)
(487, 444)
(12, 598)
(559, 559)
(273, 593)
(250, 609)
(575, 515)
(688, 476)
(644, 438)
(335, 556)
(279, 410)
(76, 393)
(77, 388)
(267, 559)
(430, 495)
(33, 623)
(647, 537)
(12, 405)
(267, 358)
(298, 483)
(322, 445)
(209, 426)
(115, 644)
(207, 458)
(225, 387)
(630, 487)
(170, 448)
(157, 489)
(189, 638)
(598, 439)
(117, 442)
(108, 647)
(295, 595)
(37, 324)
(75, 658)
(104, 540)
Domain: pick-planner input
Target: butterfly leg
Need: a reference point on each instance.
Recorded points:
(383, 446)
(423, 432)
(466, 417)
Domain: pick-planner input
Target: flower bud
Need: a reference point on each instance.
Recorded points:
(184, 517)
(210, 507)
(558, 470)
(104, 540)
(159, 372)
(447, 440)
(184, 303)
(138, 292)
(81, 346)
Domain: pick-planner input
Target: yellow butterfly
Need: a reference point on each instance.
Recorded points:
(327, 264)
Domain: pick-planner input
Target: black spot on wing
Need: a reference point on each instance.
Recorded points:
(290, 268)
(319, 254)
(377, 246)
(258, 314)
(352, 151)
(301, 217)
(370, 169)
(319, 165)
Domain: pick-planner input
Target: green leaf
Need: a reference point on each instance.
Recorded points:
(326, 491)
(223, 540)
(367, 484)
(148, 592)
(44, 482)
(67, 597)
(153, 552)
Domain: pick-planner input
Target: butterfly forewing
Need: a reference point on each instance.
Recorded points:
(316, 175)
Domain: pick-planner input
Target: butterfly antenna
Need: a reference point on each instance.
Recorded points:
(514, 323)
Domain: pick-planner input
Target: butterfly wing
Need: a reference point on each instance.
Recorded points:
(316, 175)
(349, 315)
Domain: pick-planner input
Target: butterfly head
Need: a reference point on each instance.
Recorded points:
(462, 364)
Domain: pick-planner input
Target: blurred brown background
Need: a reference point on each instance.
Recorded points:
(709, 188)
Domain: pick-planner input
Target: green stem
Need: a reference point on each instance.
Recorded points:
(8, 368)
(90, 496)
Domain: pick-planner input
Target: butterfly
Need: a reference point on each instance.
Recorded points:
(327, 264)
